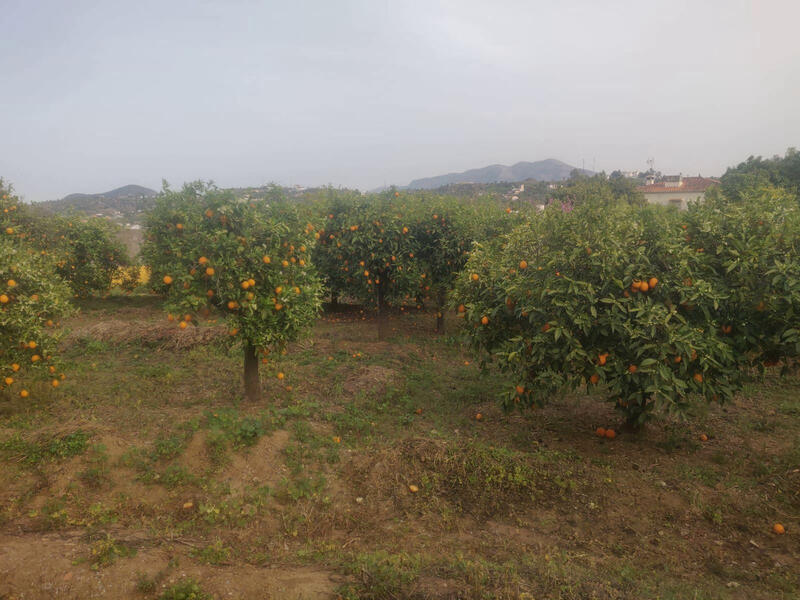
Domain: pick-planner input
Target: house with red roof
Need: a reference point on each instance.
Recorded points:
(676, 190)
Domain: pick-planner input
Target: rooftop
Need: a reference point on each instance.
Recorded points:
(669, 185)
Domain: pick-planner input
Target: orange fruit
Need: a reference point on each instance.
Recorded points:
(474, 277)
(703, 437)
(601, 360)
(167, 279)
(285, 263)
(600, 432)
(280, 376)
(779, 529)
(677, 359)
(210, 271)
(9, 380)
(3, 299)
(251, 282)
(611, 434)
(413, 488)
(479, 417)
(23, 394)
(594, 379)
(15, 367)
(484, 320)
(633, 369)
(54, 383)
(698, 377)
(11, 283)
(523, 264)
(653, 282)
(183, 325)
(546, 327)
(267, 260)
(245, 285)
(520, 390)
(462, 308)
(644, 287)
(231, 305)
(636, 284)
(31, 345)
(202, 260)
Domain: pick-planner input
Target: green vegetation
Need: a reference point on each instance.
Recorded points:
(382, 466)
(249, 260)
(651, 306)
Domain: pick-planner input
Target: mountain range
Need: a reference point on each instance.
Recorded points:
(542, 170)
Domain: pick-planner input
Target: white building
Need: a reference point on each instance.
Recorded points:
(676, 190)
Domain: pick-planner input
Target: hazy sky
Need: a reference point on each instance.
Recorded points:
(97, 94)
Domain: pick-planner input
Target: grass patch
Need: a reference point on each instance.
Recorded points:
(33, 453)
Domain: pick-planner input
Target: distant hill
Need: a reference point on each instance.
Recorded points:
(543, 170)
(126, 203)
(126, 191)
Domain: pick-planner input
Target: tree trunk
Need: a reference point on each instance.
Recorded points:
(439, 313)
(252, 384)
(334, 299)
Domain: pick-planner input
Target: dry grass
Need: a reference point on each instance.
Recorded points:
(160, 335)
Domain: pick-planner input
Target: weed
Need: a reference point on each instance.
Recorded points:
(186, 589)
(105, 551)
(213, 554)
(145, 584)
(380, 575)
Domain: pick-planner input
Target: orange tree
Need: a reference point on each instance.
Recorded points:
(248, 259)
(32, 297)
(86, 250)
(368, 251)
(751, 241)
(91, 255)
(334, 211)
(387, 248)
(605, 295)
(443, 230)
